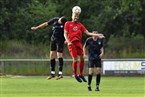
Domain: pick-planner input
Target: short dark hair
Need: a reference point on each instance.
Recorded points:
(63, 19)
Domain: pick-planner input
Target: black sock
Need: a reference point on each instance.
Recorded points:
(52, 64)
(60, 64)
(89, 79)
(98, 78)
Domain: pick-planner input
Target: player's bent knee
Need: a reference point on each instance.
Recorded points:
(98, 72)
(91, 73)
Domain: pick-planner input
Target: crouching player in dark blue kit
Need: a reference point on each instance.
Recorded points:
(57, 43)
(95, 53)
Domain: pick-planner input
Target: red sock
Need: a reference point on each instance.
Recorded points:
(74, 68)
(81, 65)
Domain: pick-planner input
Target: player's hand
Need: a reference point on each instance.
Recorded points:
(101, 55)
(33, 28)
(101, 36)
(85, 56)
(65, 42)
(69, 43)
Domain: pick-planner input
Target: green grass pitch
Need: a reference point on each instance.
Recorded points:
(38, 86)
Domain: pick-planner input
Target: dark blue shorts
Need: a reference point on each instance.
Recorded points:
(95, 63)
(57, 45)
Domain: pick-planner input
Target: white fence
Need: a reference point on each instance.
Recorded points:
(109, 66)
(3, 62)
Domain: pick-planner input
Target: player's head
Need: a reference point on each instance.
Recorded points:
(95, 32)
(62, 20)
(75, 17)
(76, 10)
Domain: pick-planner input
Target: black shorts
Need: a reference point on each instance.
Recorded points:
(95, 63)
(57, 45)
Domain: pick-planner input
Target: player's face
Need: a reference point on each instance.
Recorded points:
(94, 37)
(59, 21)
(75, 17)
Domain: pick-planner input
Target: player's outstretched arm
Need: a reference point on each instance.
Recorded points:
(40, 26)
(93, 34)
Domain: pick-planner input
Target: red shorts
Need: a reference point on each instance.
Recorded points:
(76, 49)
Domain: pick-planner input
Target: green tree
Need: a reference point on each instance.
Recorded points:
(8, 9)
(35, 14)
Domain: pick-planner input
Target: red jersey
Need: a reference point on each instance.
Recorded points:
(74, 30)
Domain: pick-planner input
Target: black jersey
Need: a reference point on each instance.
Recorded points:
(58, 29)
(94, 48)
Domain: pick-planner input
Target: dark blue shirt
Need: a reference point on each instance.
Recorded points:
(94, 48)
(58, 29)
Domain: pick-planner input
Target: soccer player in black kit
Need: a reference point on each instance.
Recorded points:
(57, 43)
(95, 53)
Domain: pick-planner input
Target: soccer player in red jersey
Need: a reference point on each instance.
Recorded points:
(73, 31)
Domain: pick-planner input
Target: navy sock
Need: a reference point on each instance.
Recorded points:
(98, 78)
(60, 64)
(52, 64)
(89, 79)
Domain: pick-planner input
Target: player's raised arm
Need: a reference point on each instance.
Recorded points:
(93, 34)
(40, 26)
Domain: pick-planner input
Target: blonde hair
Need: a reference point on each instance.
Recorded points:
(96, 32)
